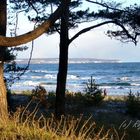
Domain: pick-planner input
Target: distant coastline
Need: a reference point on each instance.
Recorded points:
(71, 60)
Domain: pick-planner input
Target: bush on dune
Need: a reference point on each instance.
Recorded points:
(94, 95)
(133, 104)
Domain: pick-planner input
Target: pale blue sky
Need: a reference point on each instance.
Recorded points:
(93, 44)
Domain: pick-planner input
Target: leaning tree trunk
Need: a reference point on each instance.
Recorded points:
(63, 61)
(3, 93)
(27, 37)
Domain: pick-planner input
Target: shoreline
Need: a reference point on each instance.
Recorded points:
(108, 97)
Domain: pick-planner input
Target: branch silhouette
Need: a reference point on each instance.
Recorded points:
(101, 24)
(27, 37)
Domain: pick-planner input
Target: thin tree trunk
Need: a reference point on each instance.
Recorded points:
(3, 93)
(63, 61)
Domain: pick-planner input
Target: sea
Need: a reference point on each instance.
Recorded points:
(117, 77)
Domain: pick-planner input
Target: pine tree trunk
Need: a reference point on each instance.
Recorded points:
(3, 23)
(63, 62)
(3, 93)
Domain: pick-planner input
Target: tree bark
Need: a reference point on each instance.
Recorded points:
(3, 93)
(3, 22)
(25, 38)
(63, 61)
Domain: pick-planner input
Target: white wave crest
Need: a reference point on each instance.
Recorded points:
(135, 84)
(39, 71)
(74, 77)
(124, 78)
(36, 77)
(105, 87)
(30, 83)
(50, 76)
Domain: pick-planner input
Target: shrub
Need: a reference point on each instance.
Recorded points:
(133, 104)
(51, 99)
(93, 93)
(75, 101)
(40, 94)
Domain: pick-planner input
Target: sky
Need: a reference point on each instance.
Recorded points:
(93, 44)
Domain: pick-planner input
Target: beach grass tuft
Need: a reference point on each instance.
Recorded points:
(24, 125)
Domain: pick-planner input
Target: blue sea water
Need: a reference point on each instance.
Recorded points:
(116, 78)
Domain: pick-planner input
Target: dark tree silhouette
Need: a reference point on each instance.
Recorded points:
(127, 18)
(5, 53)
(3, 97)
(5, 56)
(70, 18)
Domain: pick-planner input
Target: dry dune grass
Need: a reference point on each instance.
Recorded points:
(23, 125)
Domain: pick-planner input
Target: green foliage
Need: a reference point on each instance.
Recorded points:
(75, 101)
(133, 104)
(127, 17)
(43, 9)
(93, 93)
(51, 99)
(6, 55)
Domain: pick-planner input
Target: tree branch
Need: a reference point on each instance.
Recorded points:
(109, 7)
(127, 33)
(105, 5)
(51, 13)
(27, 37)
(101, 24)
(88, 29)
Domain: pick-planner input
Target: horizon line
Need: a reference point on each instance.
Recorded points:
(98, 59)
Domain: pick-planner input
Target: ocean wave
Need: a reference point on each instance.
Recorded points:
(89, 77)
(113, 87)
(36, 77)
(30, 83)
(24, 76)
(50, 76)
(123, 84)
(105, 87)
(72, 77)
(39, 71)
(135, 84)
(47, 83)
(124, 78)
(116, 84)
(85, 78)
(54, 76)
